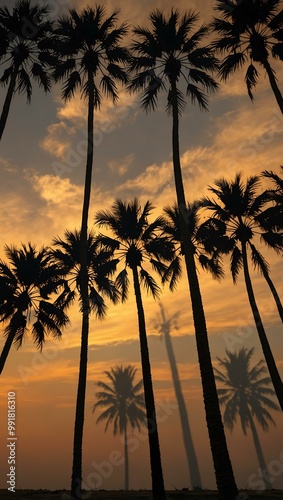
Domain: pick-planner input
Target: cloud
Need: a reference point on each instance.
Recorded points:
(121, 166)
(58, 140)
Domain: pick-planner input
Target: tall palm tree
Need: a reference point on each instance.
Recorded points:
(244, 393)
(164, 325)
(235, 207)
(137, 241)
(29, 284)
(250, 33)
(100, 268)
(124, 405)
(24, 52)
(88, 45)
(164, 54)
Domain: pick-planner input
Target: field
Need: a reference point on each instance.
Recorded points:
(141, 494)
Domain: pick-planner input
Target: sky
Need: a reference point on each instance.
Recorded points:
(42, 161)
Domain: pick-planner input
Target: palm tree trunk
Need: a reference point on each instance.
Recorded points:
(6, 350)
(158, 491)
(274, 374)
(76, 483)
(126, 456)
(187, 435)
(274, 293)
(273, 83)
(8, 100)
(259, 453)
(222, 465)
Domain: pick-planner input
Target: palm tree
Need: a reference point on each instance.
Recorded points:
(88, 45)
(250, 33)
(100, 268)
(163, 55)
(24, 52)
(244, 393)
(271, 218)
(124, 405)
(164, 325)
(137, 241)
(235, 208)
(28, 284)
(206, 237)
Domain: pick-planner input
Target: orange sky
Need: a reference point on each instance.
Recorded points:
(132, 158)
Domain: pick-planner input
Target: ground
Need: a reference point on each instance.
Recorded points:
(141, 494)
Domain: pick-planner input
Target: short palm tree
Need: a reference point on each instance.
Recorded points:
(244, 393)
(165, 54)
(123, 404)
(164, 324)
(235, 208)
(24, 52)
(88, 46)
(137, 241)
(100, 268)
(32, 296)
(250, 34)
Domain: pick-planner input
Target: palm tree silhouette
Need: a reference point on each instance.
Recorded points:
(163, 55)
(124, 405)
(164, 325)
(271, 218)
(245, 394)
(137, 241)
(88, 45)
(100, 268)
(24, 52)
(28, 283)
(235, 208)
(206, 237)
(250, 33)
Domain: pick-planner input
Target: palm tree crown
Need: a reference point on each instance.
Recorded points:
(169, 51)
(136, 241)
(100, 269)
(237, 210)
(24, 53)
(88, 45)
(123, 400)
(28, 285)
(250, 32)
(207, 238)
(272, 217)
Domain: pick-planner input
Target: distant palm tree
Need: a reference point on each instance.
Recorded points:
(164, 325)
(88, 45)
(124, 405)
(250, 32)
(29, 284)
(24, 52)
(164, 54)
(236, 207)
(137, 241)
(244, 393)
